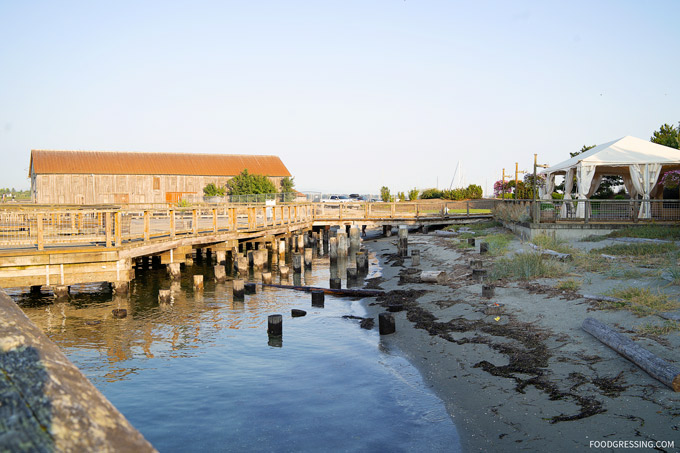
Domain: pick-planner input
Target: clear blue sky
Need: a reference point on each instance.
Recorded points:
(352, 95)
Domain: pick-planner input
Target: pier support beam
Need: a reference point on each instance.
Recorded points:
(173, 270)
(120, 287)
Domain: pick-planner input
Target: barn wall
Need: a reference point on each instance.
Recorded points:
(104, 189)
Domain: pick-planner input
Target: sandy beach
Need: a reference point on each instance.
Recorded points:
(516, 371)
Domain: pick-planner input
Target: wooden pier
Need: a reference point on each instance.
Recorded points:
(61, 246)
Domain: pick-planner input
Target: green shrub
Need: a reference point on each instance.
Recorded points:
(211, 190)
(247, 183)
(430, 194)
(637, 249)
(413, 194)
(557, 196)
(401, 196)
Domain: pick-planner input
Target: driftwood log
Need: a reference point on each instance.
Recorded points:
(656, 367)
(335, 292)
(551, 253)
(602, 298)
(445, 233)
(432, 276)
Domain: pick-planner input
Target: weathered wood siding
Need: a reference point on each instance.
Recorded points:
(101, 189)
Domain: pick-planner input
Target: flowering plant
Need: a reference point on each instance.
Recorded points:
(671, 179)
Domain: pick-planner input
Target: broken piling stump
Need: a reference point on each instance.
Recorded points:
(386, 323)
(275, 325)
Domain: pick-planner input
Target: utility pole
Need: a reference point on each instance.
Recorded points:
(517, 172)
(503, 181)
(537, 210)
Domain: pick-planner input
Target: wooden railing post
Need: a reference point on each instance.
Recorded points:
(117, 228)
(108, 227)
(194, 221)
(147, 222)
(214, 216)
(173, 227)
(393, 209)
(41, 240)
(233, 218)
(264, 216)
(467, 205)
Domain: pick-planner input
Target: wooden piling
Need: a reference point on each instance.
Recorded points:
(354, 238)
(333, 249)
(297, 263)
(415, 257)
(308, 258)
(283, 271)
(250, 288)
(173, 270)
(483, 248)
(471, 242)
(275, 325)
(403, 241)
(296, 313)
(479, 274)
(386, 323)
(362, 261)
(342, 244)
(238, 288)
(266, 277)
(242, 265)
(221, 256)
(352, 271)
(335, 283)
(488, 291)
(120, 287)
(198, 282)
(317, 298)
(220, 274)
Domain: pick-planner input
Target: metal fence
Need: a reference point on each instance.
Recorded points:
(587, 211)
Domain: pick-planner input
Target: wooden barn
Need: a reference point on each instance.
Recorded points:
(98, 177)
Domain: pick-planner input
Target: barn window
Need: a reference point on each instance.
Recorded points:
(156, 183)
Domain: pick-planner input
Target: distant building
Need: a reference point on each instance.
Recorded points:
(94, 177)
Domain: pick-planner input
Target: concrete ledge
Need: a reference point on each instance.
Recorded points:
(566, 231)
(47, 403)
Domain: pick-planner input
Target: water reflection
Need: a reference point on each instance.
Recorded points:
(202, 371)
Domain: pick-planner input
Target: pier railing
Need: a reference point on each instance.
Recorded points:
(30, 226)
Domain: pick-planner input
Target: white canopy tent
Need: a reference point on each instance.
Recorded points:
(638, 161)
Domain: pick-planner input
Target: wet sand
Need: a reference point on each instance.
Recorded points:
(522, 375)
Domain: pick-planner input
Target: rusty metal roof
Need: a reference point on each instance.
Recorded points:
(132, 163)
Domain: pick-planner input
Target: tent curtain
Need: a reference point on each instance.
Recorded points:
(546, 191)
(628, 184)
(595, 185)
(644, 179)
(584, 177)
(568, 187)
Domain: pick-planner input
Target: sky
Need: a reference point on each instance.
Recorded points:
(352, 95)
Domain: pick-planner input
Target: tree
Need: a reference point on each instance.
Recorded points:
(667, 135)
(385, 193)
(288, 188)
(246, 183)
(211, 190)
(401, 196)
(413, 194)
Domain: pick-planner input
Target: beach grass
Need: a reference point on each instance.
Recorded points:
(641, 301)
(526, 266)
(657, 330)
(646, 249)
(569, 284)
(550, 243)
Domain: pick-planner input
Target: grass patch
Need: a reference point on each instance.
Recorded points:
(656, 330)
(648, 231)
(550, 243)
(590, 263)
(625, 272)
(568, 285)
(498, 243)
(595, 238)
(642, 301)
(636, 249)
(526, 266)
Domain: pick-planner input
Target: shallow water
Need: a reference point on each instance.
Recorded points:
(202, 374)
